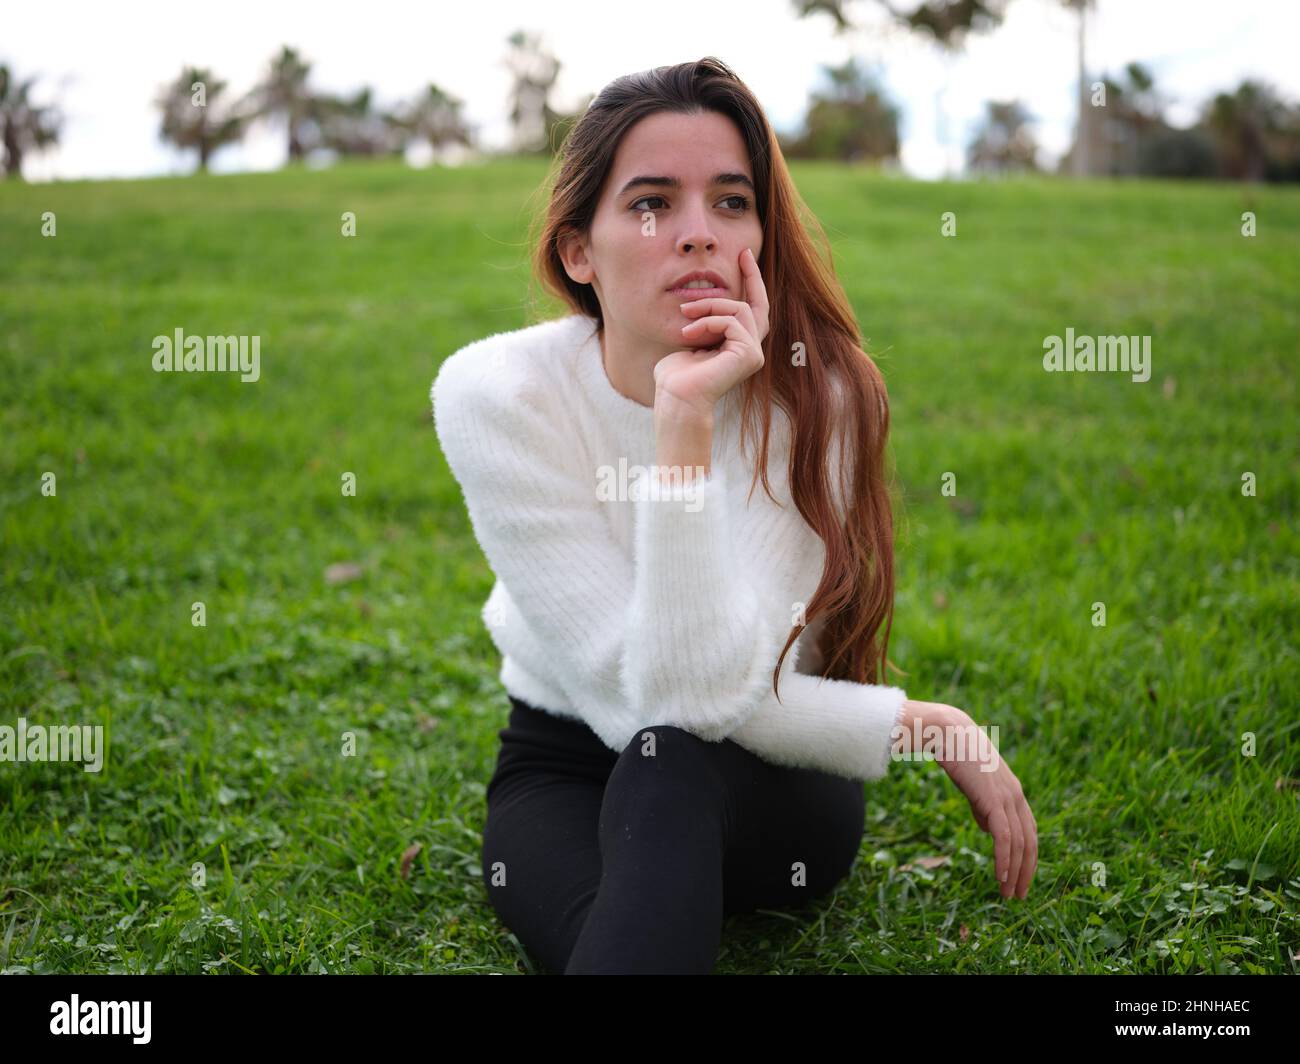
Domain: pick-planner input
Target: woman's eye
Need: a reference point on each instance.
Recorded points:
(742, 206)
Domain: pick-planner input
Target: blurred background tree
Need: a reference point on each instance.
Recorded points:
(284, 95)
(1119, 128)
(1250, 133)
(1080, 159)
(434, 118)
(853, 120)
(947, 22)
(1004, 143)
(534, 71)
(196, 115)
(1256, 134)
(24, 126)
(354, 125)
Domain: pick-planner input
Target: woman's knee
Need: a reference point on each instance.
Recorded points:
(647, 741)
(662, 770)
(666, 749)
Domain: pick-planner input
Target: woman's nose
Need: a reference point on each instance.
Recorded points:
(696, 234)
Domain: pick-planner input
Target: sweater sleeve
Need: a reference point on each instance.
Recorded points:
(669, 636)
(834, 726)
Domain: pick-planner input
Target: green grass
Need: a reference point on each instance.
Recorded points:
(225, 739)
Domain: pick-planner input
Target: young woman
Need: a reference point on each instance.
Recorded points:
(664, 766)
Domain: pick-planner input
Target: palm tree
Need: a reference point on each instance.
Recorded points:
(1082, 131)
(352, 125)
(23, 126)
(947, 22)
(283, 93)
(435, 117)
(1132, 118)
(535, 71)
(1247, 124)
(194, 115)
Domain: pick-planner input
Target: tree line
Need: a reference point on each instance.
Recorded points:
(1249, 133)
(200, 114)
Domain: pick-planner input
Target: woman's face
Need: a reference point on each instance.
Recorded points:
(646, 234)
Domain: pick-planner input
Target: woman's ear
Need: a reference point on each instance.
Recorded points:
(573, 254)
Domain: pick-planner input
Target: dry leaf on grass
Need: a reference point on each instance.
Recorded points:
(342, 572)
(408, 855)
(925, 862)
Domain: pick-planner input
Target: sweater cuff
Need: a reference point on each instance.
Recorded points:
(686, 491)
(834, 726)
(683, 554)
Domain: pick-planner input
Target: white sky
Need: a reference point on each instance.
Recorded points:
(105, 62)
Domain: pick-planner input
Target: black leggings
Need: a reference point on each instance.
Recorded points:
(605, 862)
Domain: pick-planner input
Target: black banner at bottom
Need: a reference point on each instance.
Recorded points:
(337, 1013)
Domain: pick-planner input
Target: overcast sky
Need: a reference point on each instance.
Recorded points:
(105, 62)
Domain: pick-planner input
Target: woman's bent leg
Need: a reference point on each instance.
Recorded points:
(795, 835)
(694, 831)
(658, 909)
(541, 856)
(633, 870)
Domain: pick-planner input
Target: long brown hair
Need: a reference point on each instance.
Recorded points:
(808, 307)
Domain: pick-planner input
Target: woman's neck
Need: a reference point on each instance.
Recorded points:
(631, 372)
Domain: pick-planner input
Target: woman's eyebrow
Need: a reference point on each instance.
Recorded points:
(672, 182)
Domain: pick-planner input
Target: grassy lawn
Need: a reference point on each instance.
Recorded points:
(1164, 848)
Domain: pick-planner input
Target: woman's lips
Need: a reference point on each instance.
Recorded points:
(684, 294)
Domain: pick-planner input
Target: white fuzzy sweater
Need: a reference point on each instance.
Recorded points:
(627, 608)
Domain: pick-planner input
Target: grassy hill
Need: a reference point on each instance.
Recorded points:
(1072, 489)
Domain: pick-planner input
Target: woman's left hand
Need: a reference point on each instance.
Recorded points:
(997, 803)
(700, 376)
(711, 314)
